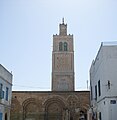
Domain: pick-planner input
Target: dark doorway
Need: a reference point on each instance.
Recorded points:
(5, 116)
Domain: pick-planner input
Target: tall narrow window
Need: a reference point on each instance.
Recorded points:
(1, 87)
(91, 94)
(96, 92)
(100, 116)
(5, 116)
(60, 46)
(7, 91)
(99, 88)
(65, 46)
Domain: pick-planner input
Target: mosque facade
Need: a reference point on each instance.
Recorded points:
(62, 102)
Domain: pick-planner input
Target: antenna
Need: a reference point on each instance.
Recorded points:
(63, 20)
(87, 84)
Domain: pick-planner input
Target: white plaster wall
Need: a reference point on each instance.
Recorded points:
(104, 109)
(104, 68)
(96, 72)
(6, 81)
(4, 73)
(111, 69)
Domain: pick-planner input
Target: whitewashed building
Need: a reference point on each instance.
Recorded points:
(5, 93)
(103, 81)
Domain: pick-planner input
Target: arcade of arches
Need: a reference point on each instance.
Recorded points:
(49, 105)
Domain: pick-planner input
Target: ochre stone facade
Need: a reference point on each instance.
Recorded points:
(51, 105)
(62, 103)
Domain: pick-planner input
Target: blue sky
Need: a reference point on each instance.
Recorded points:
(27, 28)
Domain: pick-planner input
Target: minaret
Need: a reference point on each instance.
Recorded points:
(63, 60)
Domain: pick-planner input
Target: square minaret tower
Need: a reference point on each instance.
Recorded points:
(63, 60)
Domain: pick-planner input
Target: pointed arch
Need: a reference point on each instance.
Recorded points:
(54, 108)
(60, 46)
(54, 99)
(31, 109)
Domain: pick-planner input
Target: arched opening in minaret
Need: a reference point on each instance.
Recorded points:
(60, 46)
(65, 46)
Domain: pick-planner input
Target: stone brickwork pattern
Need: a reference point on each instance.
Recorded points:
(49, 105)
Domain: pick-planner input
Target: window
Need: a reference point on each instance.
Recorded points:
(91, 94)
(99, 88)
(96, 92)
(7, 90)
(0, 116)
(60, 46)
(1, 87)
(5, 116)
(100, 117)
(112, 101)
(65, 46)
(2, 94)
